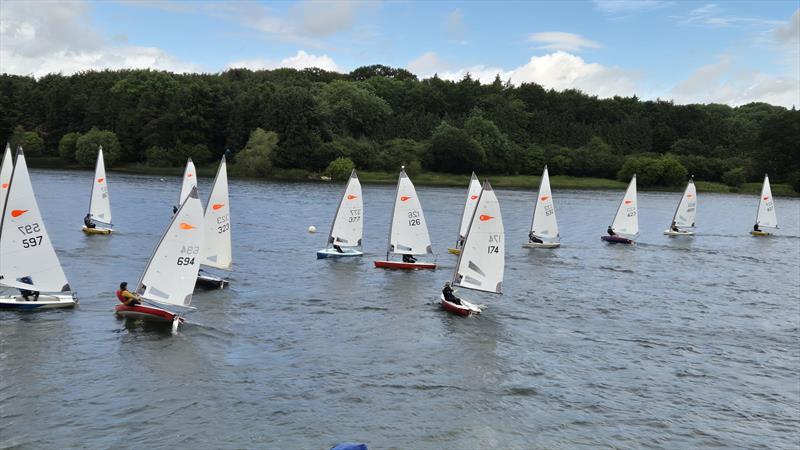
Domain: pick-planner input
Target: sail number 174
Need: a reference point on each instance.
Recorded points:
(494, 243)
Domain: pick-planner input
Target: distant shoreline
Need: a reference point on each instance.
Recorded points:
(529, 182)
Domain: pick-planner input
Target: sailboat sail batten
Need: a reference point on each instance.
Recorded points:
(544, 224)
(347, 227)
(25, 247)
(408, 234)
(626, 221)
(171, 272)
(481, 263)
(217, 251)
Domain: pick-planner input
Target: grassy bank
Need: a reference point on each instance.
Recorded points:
(435, 179)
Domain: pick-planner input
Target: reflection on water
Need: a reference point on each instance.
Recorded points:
(669, 343)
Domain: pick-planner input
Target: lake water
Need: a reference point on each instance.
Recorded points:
(678, 343)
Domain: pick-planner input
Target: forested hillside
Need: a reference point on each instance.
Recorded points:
(380, 117)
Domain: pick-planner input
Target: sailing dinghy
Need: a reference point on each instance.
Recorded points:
(347, 228)
(5, 175)
(99, 202)
(408, 232)
(481, 263)
(544, 228)
(765, 216)
(473, 192)
(170, 274)
(685, 213)
(625, 227)
(217, 251)
(28, 260)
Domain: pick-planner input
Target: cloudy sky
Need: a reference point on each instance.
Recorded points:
(727, 52)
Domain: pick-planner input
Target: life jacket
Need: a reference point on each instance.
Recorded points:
(120, 297)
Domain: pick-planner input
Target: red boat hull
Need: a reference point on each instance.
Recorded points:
(149, 313)
(404, 266)
(455, 309)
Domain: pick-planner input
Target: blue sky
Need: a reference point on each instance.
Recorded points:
(724, 51)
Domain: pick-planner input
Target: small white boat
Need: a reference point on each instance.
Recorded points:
(28, 261)
(685, 213)
(473, 192)
(99, 201)
(408, 231)
(217, 251)
(171, 272)
(626, 222)
(766, 216)
(347, 229)
(544, 227)
(481, 264)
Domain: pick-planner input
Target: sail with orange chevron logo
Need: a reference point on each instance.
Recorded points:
(171, 272)
(481, 263)
(26, 251)
(408, 234)
(347, 229)
(766, 216)
(217, 250)
(543, 224)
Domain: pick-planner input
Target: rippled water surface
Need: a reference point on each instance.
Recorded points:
(672, 342)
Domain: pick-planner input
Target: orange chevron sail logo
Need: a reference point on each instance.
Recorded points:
(544, 197)
(217, 206)
(189, 175)
(18, 212)
(351, 197)
(484, 217)
(766, 197)
(404, 198)
(186, 226)
(474, 197)
(628, 202)
(5, 185)
(100, 180)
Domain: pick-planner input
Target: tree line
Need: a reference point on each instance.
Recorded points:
(378, 118)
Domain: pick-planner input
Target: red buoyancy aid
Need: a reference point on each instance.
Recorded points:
(120, 297)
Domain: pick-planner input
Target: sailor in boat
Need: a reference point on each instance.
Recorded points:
(338, 248)
(447, 291)
(127, 297)
(26, 294)
(87, 221)
(174, 209)
(409, 259)
(532, 237)
(460, 242)
(674, 227)
(755, 228)
(610, 231)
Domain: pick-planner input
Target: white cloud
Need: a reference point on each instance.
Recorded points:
(324, 18)
(713, 16)
(790, 32)
(301, 60)
(559, 70)
(722, 82)
(558, 40)
(629, 7)
(38, 38)
(454, 26)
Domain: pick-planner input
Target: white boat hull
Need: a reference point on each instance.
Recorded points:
(45, 301)
(542, 245)
(464, 309)
(332, 253)
(679, 233)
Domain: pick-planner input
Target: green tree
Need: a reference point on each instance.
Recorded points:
(159, 157)
(454, 151)
(87, 145)
(340, 168)
(734, 177)
(255, 159)
(67, 146)
(353, 108)
(498, 150)
(31, 142)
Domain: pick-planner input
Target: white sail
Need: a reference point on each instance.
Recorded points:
(100, 204)
(686, 213)
(25, 247)
(217, 250)
(409, 232)
(189, 180)
(482, 260)
(766, 216)
(473, 192)
(171, 272)
(543, 224)
(5, 175)
(348, 227)
(626, 221)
